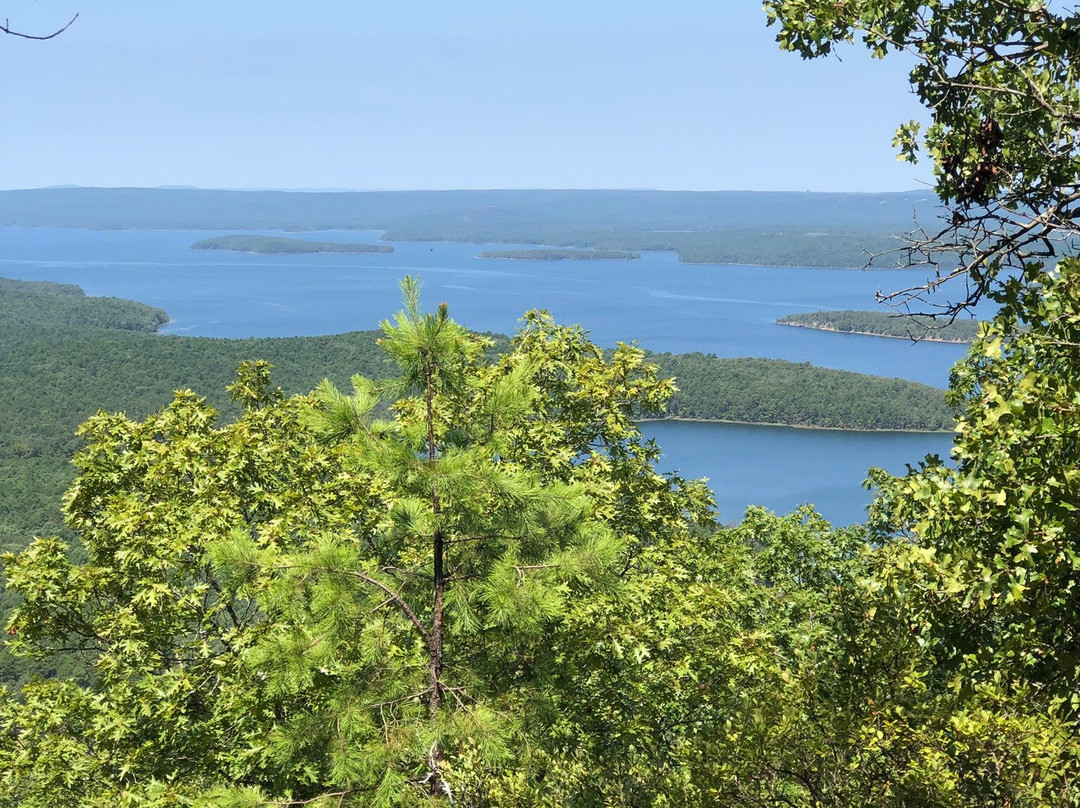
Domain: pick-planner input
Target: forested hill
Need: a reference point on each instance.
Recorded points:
(179, 208)
(788, 229)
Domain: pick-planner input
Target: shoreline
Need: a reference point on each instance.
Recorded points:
(300, 252)
(795, 426)
(874, 334)
(552, 260)
(293, 252)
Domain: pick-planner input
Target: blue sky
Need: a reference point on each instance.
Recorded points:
(401, 94)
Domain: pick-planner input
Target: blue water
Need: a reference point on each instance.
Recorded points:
(664, 305)
(781, 468)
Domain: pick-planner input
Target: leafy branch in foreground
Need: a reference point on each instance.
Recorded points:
(1002, 85)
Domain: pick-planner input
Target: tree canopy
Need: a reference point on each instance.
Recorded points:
(313, 602)
(486, 596)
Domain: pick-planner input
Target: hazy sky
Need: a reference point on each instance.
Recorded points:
(398, 94)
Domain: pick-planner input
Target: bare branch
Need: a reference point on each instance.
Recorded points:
(7, 29)
(340, 794)
(392, 595)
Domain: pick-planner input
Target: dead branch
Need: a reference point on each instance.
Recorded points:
(7, 29)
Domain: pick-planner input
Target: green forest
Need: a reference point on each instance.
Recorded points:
(560, 255)
(884, 324)
(455, 578)
(32, 308)
(275, 245)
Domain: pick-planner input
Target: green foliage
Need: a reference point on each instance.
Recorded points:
(53, 379)
(273, 245)
(978, 563)
(667, 687)
(485, 593)
(309, 602)
(883, 324)
(995, 534)
(165, 630)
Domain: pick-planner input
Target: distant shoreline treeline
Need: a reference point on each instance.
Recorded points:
(751, 246)
(724, 227)
(560, 255)
(884, 324)
(274, 245)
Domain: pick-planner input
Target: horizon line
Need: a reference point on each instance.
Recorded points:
(317, 190)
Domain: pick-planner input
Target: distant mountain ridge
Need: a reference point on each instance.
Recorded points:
(752, 227)
(190, 208)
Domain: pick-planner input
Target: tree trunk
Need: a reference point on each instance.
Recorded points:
(435, 646)
(436, 784)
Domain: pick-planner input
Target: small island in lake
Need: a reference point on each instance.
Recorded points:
(561, 255)
(274, 245)
(883, 324)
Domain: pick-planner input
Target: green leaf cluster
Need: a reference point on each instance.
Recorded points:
(1001, 85)
(997, 531)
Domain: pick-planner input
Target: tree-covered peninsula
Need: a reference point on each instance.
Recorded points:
(553, 254)
(773, 391)
(275, 245)
(34, 307)
(883, 324)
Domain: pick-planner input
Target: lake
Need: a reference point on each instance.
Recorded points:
(664, 305)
